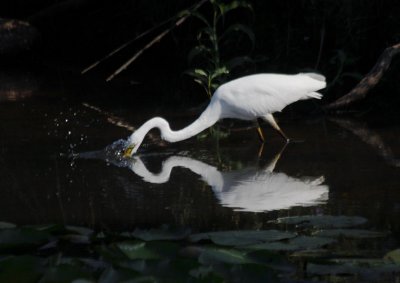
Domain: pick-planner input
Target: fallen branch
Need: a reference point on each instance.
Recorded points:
(368, 82)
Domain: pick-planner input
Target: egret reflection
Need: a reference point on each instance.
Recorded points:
(252, 189)
(249, 189)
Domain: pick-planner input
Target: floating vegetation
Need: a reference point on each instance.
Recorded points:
(321, 250)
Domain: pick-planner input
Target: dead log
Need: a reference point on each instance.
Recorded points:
(368, 82)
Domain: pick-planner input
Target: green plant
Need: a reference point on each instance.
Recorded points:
(217, 36)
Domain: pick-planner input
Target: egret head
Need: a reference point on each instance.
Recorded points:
(134, 143)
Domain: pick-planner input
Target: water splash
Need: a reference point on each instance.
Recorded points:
(113, 153)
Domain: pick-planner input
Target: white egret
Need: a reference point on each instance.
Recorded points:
(247, 98)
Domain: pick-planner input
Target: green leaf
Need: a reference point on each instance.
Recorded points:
(311, 254)
(219, 72)
(111, 253)
(367, 268)
(22, 238)
(208, 33)
(350, 233)
(322, 221)
(201, 72)
(6, 225)
(48, 228)
(298, 243)
(202, 83)
(210, 256)
(163, 233)
(393, 256)
(184, 13)
(240, 238)
(200, 79)
(137, 250)
(227, 7)
(80, 230)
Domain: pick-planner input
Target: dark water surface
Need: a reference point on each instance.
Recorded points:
(58, 164)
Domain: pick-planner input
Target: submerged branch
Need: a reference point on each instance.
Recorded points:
(111, 118)
(369, 81)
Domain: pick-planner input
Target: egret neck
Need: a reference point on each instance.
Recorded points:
(208, 118)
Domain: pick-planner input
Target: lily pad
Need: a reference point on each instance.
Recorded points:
(48, 228)
(80, 230)
(369, 268)
(211, 256)
(163, 233)
(22, 238)
(311, 254)
(137, 250)
(323, 221)
(240, 238)
(6, 225)
(295, 244)
(393, 256)
(350, 233)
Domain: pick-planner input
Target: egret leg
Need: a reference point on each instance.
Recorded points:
(272, 163)
(270, 119)
(260, 132)
(261, 150)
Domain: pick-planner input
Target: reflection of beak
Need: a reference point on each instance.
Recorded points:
(128, 150)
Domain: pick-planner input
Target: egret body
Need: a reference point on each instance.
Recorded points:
(246, 98)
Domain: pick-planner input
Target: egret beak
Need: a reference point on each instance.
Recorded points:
(128, 150)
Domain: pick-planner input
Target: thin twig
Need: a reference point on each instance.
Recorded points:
(153, 41)
(119, 48)
(116, 50)
(137, 54)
